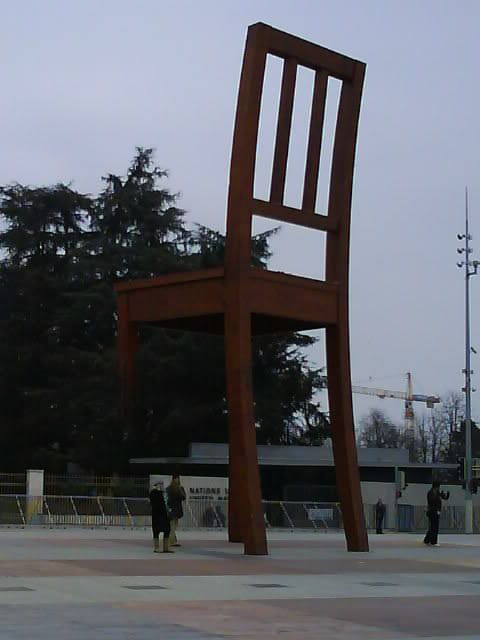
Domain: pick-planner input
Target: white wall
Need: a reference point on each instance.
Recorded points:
(35, 482)
(197, 487)
(372, 491)
(417, 494)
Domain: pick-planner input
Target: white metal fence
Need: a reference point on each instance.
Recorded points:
(451, 519)
(97, 511)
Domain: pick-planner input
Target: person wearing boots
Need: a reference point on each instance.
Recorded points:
(434, 501)
(160, 521)
(175, 497)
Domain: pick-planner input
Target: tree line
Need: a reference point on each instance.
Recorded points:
(60, 253)
(439, 435)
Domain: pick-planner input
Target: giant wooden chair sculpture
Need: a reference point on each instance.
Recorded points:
(239, 300)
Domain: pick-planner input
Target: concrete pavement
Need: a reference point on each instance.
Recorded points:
(78, 583)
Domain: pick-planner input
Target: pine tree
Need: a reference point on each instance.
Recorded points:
(62, 253)
(135, 231)
(42, 234)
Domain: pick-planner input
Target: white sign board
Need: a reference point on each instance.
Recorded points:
(320, 514)
(197, 487)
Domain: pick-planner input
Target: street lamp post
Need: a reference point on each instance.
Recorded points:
(471, 267)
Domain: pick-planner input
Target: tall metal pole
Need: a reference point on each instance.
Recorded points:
(468, 384)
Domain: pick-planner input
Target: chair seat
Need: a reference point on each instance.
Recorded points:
(195, 301)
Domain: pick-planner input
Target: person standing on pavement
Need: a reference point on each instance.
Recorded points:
(175, 497)
(379, 515)
(160, 520)
(434, 507)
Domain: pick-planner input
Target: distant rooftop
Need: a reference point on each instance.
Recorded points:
(208, 453)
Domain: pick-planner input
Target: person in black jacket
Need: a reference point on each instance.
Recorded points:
(160, 520)
(175, 497)
(379, 515)
(434, 500)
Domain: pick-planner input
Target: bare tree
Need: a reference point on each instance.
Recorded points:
(439, 437)
(432, 441)
(448, 421)
(423, 445)
(376, 430)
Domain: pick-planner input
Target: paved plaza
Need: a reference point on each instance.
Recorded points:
(79, 583)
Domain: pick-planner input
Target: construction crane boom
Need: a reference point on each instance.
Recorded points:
(407, 396)
(401, 395)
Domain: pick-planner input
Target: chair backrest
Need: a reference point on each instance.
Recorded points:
(261, 41)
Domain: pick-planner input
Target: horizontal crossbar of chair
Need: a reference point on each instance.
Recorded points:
(306, 53)
(293, 216)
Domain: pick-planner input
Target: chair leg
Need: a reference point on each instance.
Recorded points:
(127, 350)
(343, 437)
(235, 497)
(246, 522)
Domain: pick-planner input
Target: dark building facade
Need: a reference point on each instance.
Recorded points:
(298, 473)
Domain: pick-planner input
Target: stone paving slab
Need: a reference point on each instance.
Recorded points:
(74, 583)
(84, 622)
(160, 566)
(439, 615)
(105, 589)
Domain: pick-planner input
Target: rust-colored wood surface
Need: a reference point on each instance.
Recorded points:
(240, 300)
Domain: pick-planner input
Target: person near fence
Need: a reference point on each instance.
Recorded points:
(160, 519)
(379, 515)
(221, 516)
(175, 497)
(213, 516)
(209, 517)
(434, 507)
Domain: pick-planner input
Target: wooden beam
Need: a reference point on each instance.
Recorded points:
(284, 126)
(315, 141)
(291, 215)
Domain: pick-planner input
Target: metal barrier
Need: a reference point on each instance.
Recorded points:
(54, 511)
(97, 511)
(13, 483)
(11, 511)
(302, 515)
(205, 512)
(111, 486)
(451, 519)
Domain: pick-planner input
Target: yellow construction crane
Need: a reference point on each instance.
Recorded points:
(408, 396)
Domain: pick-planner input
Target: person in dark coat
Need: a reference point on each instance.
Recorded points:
(160, 520)
(434, 500)
(379, 515)
(175, 497)
(209, 517)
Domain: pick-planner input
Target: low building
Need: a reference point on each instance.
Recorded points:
(305, 473)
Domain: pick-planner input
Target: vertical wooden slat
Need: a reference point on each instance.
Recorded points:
(243, 159)
(284, 126)
(343, 159)
(315, 141)
(338, 336)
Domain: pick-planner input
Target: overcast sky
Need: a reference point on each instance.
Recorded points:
(83, 83)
